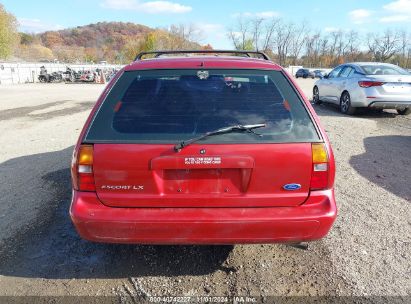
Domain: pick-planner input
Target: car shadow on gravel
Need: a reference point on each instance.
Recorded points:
(386, 163)
(72, 107)
(51, 248)
(328, 109)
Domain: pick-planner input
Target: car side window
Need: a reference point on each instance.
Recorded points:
(347, 72)
(334, 73)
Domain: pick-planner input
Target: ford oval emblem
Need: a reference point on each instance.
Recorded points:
(291, 187)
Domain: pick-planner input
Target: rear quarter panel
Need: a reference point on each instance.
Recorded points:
(358, 95)
(320, 127)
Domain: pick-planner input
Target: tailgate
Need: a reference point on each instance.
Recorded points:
(139, 175)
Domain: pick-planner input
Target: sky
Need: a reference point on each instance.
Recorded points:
(213, 17)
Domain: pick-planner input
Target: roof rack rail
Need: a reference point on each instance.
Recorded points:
(216, 52)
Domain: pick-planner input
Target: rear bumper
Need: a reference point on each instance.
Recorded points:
(381, 104)
(371, 97)
(99, 223)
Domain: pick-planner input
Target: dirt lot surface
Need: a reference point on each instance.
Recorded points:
(368, 251)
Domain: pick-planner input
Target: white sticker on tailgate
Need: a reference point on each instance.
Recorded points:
(202, 160)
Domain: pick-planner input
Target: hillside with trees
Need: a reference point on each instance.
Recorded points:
(115, 42)
(8, 32)
(287, 42)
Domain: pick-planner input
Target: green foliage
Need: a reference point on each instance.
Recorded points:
(8, 33)
(248, 45)
(26, 39)
(149, 43)
(130, 50)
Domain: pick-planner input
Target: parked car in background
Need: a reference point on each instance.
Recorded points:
(366, 85)
(304, 73)
(319, 74)
(202, 150)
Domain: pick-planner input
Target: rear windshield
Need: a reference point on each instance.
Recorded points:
(383, 70)
(167, 106)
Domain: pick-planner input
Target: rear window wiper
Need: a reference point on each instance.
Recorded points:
(247, 128)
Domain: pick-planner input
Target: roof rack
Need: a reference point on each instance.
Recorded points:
(216, 52)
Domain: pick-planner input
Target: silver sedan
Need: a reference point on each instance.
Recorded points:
(366, 85)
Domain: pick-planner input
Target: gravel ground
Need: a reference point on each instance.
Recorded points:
(368, 251)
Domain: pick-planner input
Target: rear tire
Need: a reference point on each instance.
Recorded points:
(406, 111)
(345, 104)
(316, 95)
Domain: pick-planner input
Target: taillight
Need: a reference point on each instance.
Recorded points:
(368, 84)
(320, 167)
(82, 169)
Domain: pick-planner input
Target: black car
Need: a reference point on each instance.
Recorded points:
(304, 73)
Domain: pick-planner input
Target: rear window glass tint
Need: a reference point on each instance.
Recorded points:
(383, 70)
(165, 106)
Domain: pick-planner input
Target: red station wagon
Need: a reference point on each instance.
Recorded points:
(203, 147)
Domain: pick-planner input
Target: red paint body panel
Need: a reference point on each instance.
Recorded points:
(249, 175)
(254, 210)
(97, 222)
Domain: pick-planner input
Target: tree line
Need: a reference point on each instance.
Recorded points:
(287, 43)
(114, 42)
(8, 32)
(290, 43)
